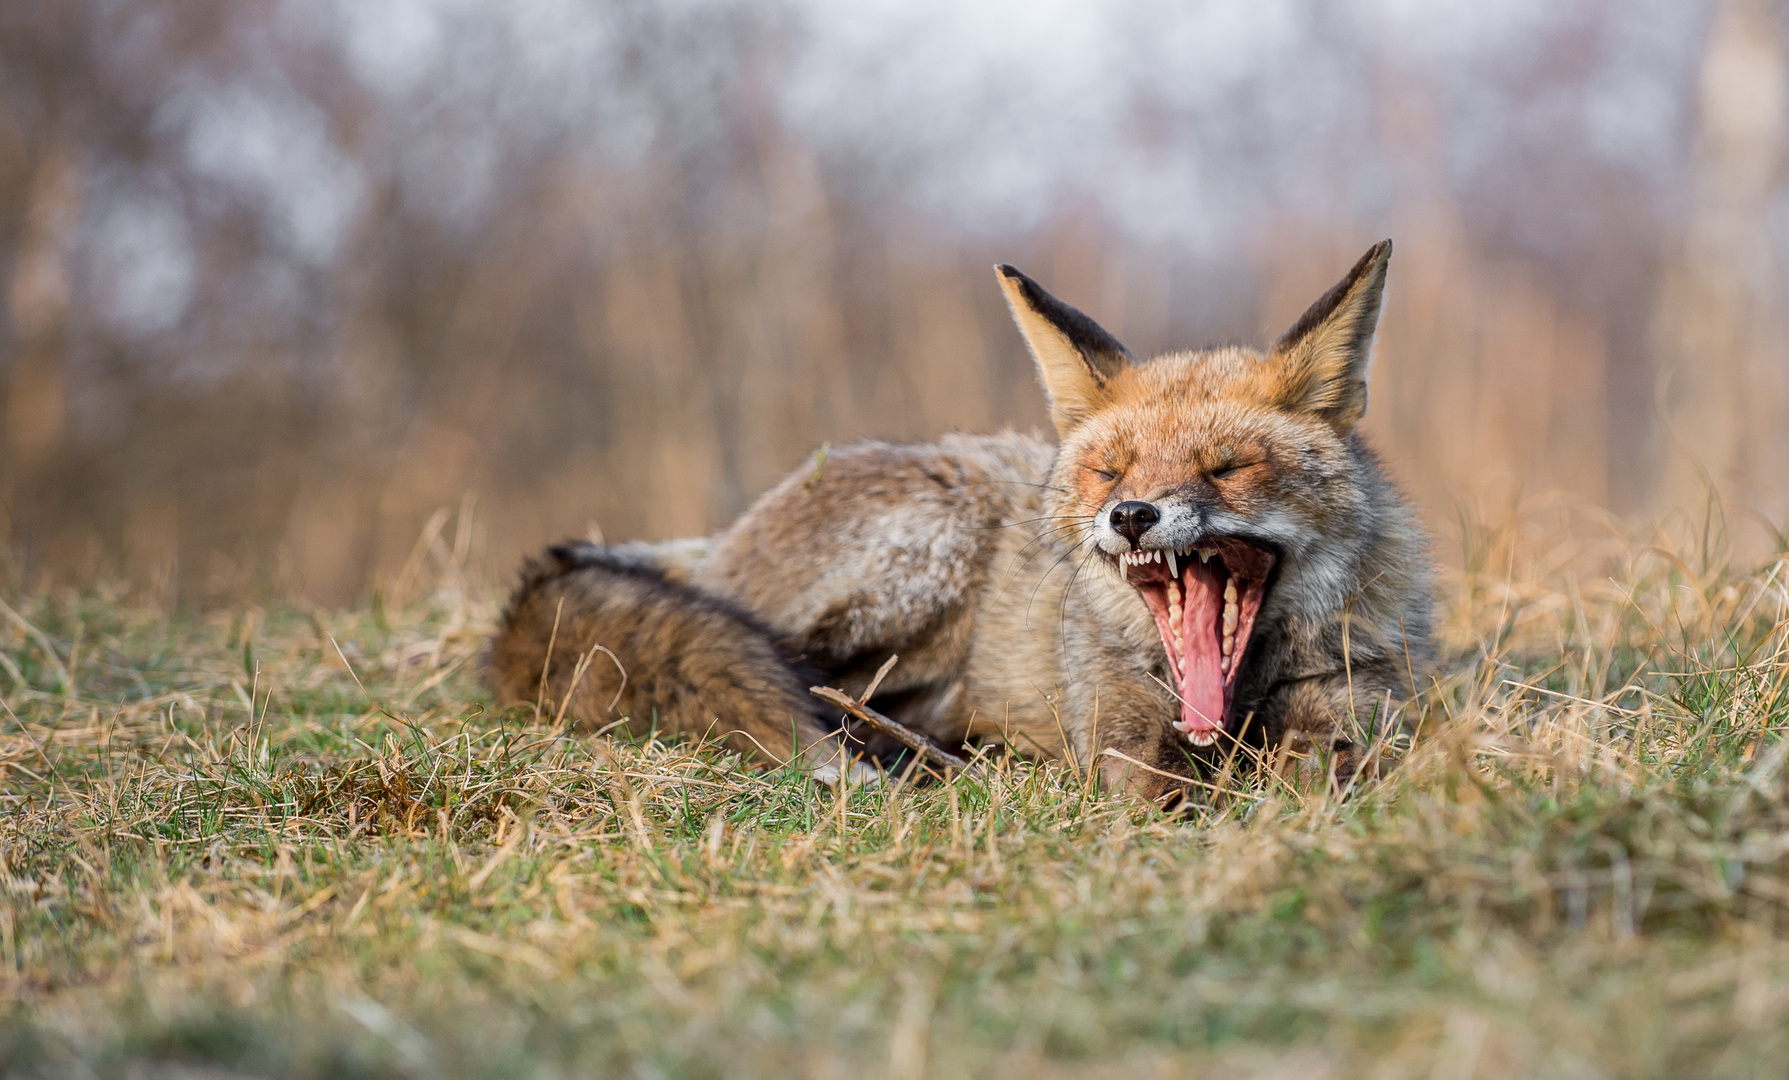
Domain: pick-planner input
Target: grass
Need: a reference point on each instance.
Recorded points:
(224, 854)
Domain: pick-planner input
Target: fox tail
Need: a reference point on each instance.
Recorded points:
(602, 635)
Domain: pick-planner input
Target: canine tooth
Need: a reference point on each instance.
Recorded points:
(1173, 567)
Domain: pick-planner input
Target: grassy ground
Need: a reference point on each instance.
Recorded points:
(223, 854)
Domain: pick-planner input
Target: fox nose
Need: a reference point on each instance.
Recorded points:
(1131, 519)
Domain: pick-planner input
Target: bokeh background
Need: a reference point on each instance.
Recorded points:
(303, 295)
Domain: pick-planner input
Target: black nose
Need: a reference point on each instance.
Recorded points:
(1132, 519)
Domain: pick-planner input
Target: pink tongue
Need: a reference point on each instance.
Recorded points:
(1202, 686)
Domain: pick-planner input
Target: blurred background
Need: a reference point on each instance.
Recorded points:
(300, 295)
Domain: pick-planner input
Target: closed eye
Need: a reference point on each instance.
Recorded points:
(1108, 477)
(1220, 473)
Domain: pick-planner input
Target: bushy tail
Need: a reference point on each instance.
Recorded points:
(601, 636)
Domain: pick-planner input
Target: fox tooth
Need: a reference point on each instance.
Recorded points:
(1173, 567)
(1230, 591)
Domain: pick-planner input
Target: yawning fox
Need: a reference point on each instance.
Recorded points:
(1210, 553)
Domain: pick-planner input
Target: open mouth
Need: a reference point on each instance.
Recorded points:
(1204, 599)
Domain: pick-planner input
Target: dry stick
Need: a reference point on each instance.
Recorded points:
(913, 740)
(881, 673)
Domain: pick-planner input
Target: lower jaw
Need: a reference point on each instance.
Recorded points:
(1205, 617)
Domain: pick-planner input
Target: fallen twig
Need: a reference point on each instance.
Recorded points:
(913, 740)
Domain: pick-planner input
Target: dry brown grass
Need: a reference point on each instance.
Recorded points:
(221, 853)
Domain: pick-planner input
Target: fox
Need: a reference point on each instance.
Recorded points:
(1209, 556)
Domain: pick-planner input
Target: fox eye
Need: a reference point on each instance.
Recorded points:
(1108, 477)
(1223, 471)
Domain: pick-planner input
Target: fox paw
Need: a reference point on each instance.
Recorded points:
(858, 775)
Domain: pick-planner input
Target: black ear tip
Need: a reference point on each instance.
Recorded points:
(1374, 261)
(1008, 271)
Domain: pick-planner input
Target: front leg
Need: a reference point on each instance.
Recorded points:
(1350, 714)
(1123, 733)
(1152, 765)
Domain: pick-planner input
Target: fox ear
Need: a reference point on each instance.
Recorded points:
(1325, 353)
(1075, 357)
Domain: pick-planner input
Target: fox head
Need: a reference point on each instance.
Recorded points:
(1223, 484)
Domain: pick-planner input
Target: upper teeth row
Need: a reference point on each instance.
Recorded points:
(1155, 555)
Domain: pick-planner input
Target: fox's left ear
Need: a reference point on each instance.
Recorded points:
(1075, 356)
(1325, 353)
